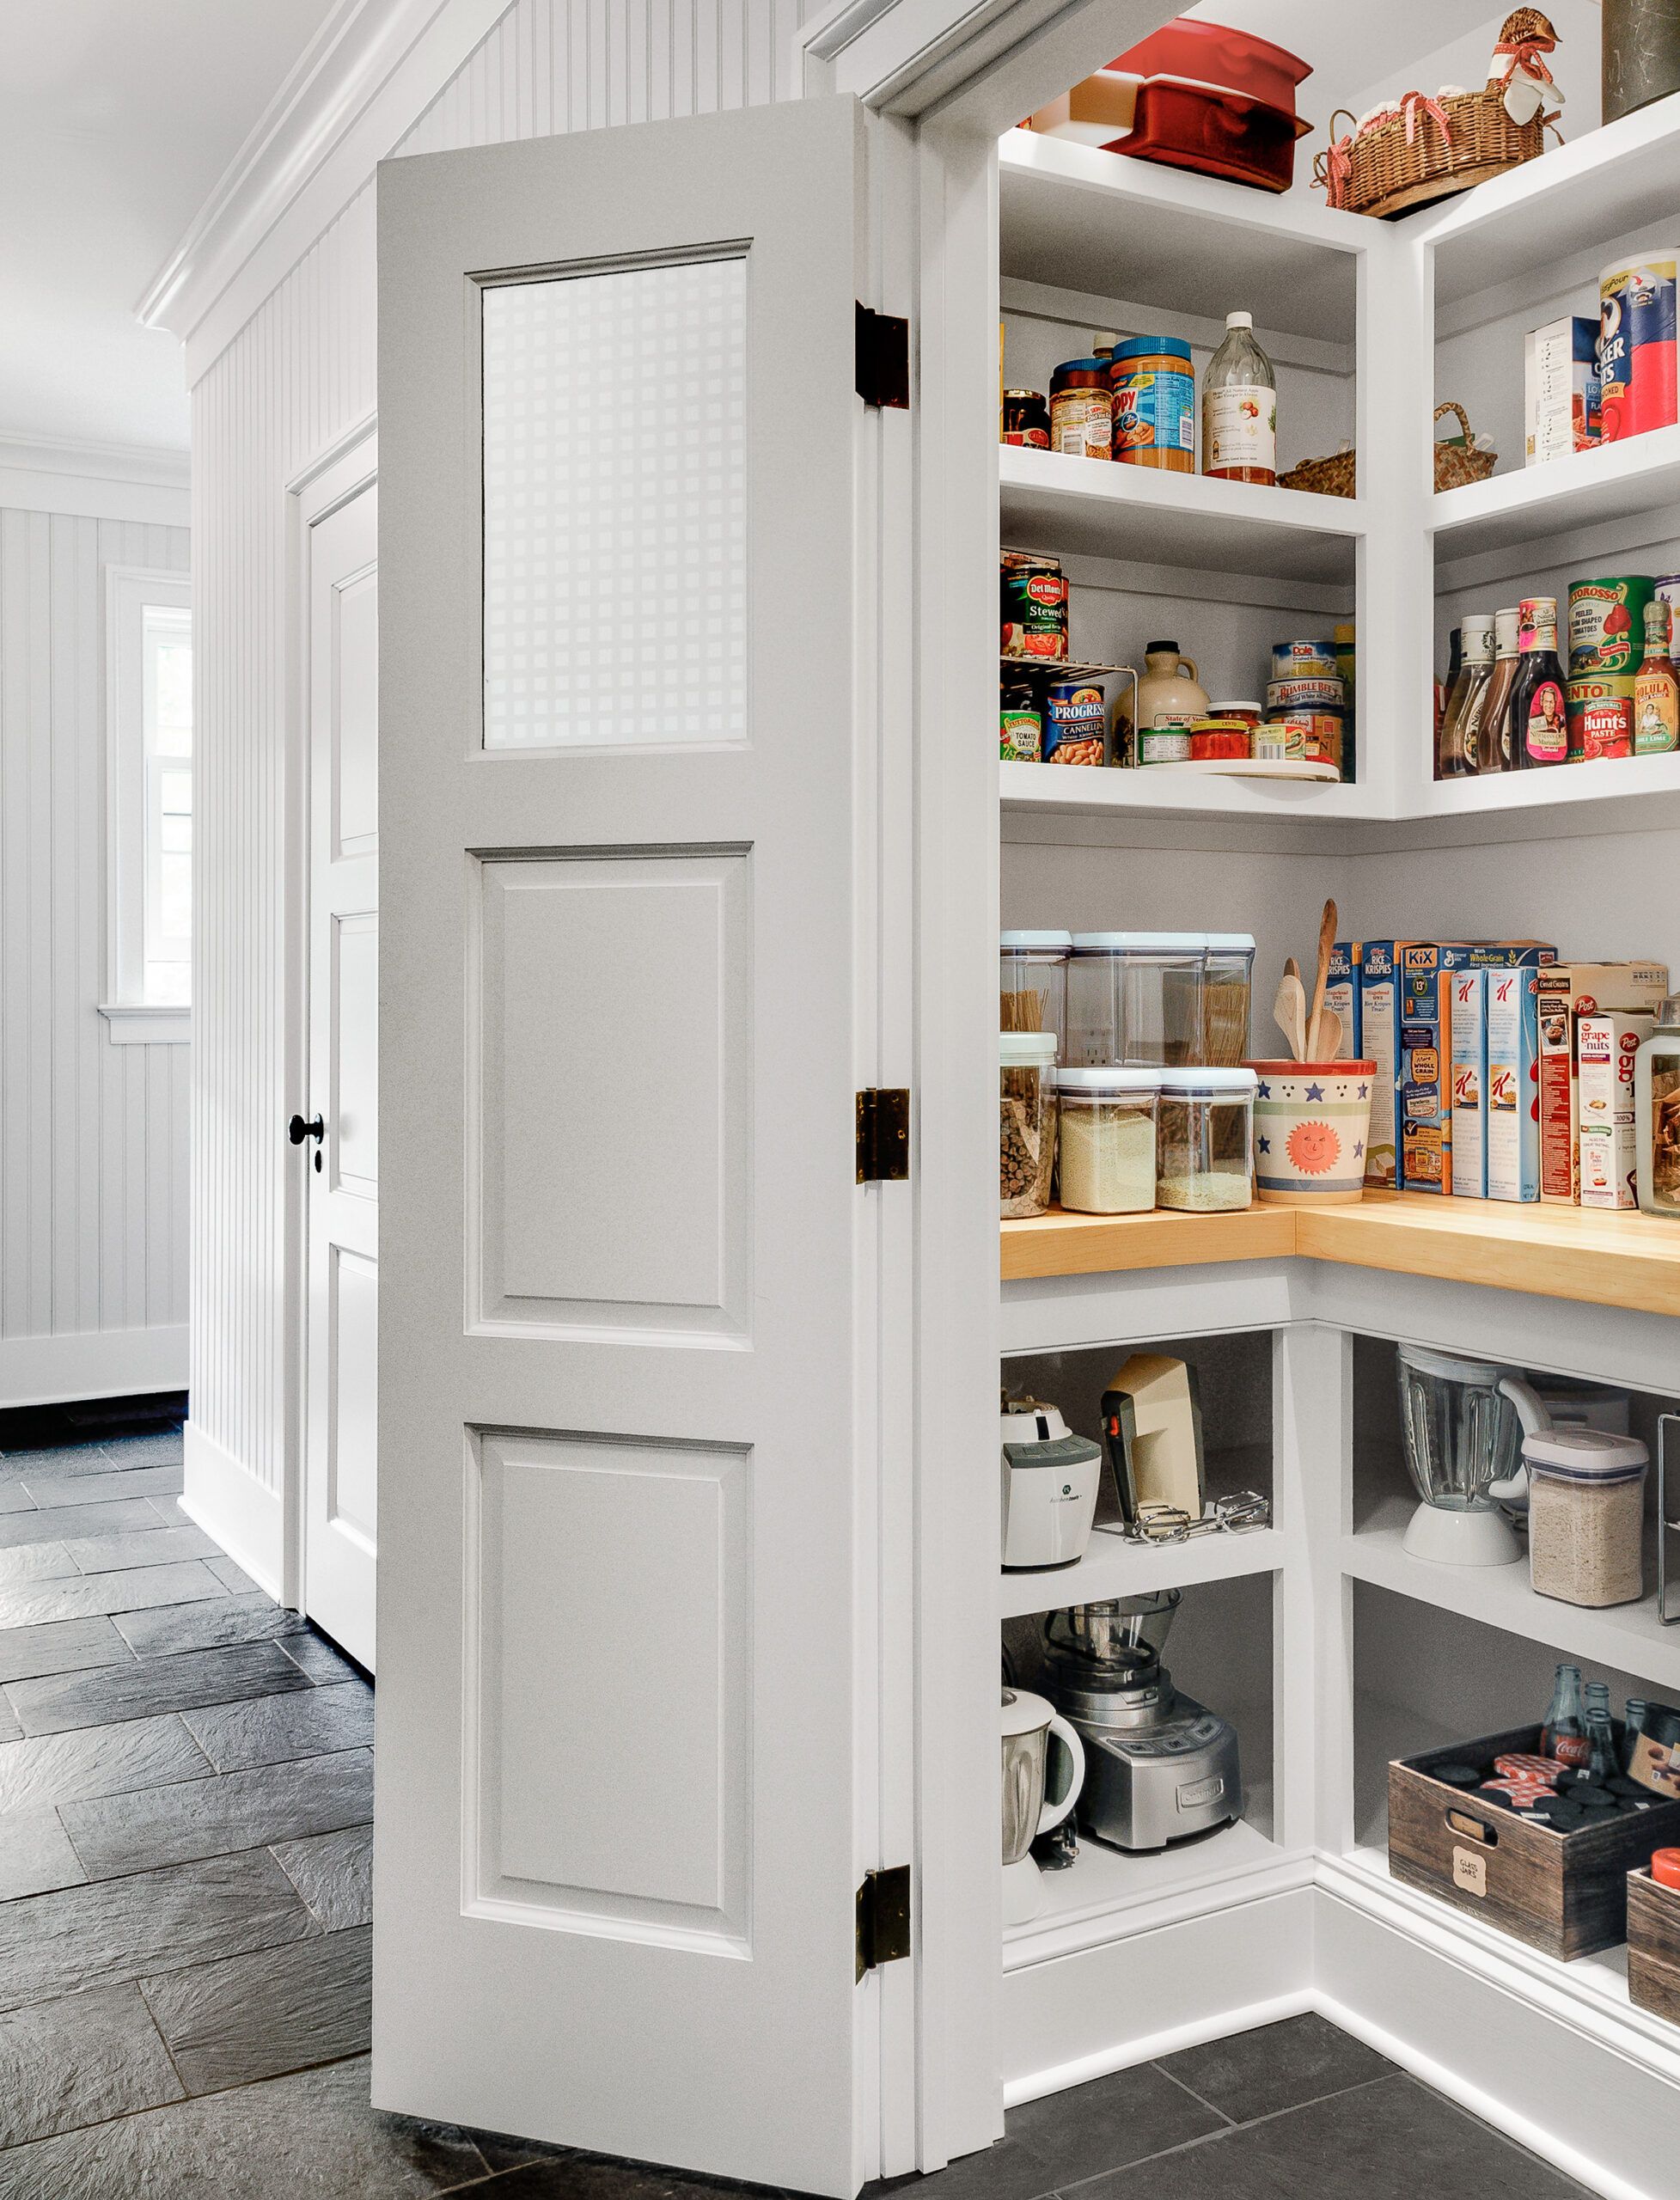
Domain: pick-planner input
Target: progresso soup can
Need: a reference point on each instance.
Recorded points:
(1076, 719)
(1607, 625)
(1636, 343)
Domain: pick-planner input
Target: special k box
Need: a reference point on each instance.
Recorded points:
(1511, 1001)
(1567, 992)
(1470, 1082)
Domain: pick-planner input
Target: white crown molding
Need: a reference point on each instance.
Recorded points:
(364, 80)
(122, 481)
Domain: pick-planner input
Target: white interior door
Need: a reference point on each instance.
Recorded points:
(624, 1422)
(341, 1359)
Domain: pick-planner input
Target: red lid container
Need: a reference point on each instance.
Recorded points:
(1185, 126)
(1212, 54)
(1666, 1867)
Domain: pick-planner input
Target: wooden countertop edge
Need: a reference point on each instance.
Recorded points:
(1611, 1259)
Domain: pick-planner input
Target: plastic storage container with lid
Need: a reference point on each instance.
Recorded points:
(1106, 1139)
(1134, 997)
(1227, 980)
(1027, 1121)
(1657, 1114)
(1204, 1158)
(1586, 1515)
(1032, 982)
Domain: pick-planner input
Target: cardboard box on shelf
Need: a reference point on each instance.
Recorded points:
(1606, 1047)
(1379, 989)
(1513, 1083)
(1567, 992)
(1561, 388)
(1469, 1084)
(1426, 1086)
(1341, 993)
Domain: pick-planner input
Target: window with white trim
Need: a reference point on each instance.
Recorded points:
(148, 740)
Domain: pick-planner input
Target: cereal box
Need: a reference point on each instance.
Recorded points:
(1470, 1082)
(1513, 1112)
(1567, 992)
(1378, 968)
(1341, 993)
(1426, 1087)
(1605, 1049)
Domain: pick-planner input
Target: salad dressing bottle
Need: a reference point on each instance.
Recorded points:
(1239, 408)
(1539, 730)
(1493, 748)
(1469, 692)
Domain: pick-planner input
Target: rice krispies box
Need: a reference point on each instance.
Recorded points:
(1425, 1108)
(1379, 989)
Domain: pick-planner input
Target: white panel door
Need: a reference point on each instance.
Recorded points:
(623, 1419)
(342, 1357)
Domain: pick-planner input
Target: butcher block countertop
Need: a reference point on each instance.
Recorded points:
(1610, 1259)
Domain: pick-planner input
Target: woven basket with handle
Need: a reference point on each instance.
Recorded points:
(1455, 464)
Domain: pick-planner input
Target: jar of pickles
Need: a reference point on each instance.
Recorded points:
(1027, 1121)
(1204, 1145)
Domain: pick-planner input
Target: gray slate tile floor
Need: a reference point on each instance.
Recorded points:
(185, 1899)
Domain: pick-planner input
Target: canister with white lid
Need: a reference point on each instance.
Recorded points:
(1204, 1157)
(1026, 1121)
(1227, 979)
(1134, 997)
(1032, 982)
(1586, 1515)
(1106, 1139)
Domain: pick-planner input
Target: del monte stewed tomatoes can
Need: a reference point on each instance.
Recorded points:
(1035, 605)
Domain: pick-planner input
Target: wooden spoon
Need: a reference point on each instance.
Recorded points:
(1327, 931)
(1330, 1036)
(1291, 1010)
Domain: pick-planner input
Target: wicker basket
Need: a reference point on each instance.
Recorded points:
(1455, 464)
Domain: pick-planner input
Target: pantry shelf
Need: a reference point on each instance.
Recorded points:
(1094, 222)
(1093, 507)
(1635, 780)
(1623, 1259)
(1072, 791)
(1627, 1637)
(1533, 504)
(1113, 1568)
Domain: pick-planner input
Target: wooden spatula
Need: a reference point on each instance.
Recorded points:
(1291, 1010)
(1327, 931)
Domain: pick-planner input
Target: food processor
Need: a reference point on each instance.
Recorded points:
(1159, 1766)
(1463, 1422)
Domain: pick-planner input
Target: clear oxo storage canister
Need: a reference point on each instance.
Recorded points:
(1032, 982)
(1134, 997)
(1227, 980)
(1204, 1160)
(1106, 1139)
(1027, 1121)
(1586, 1515)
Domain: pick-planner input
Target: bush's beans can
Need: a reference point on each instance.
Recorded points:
(1600, 715)
(1076, 719)
(1035, 605)
(1636, 343)
(1607, 625)
(1021, 724)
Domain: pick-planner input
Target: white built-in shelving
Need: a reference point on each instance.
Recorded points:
(1113, 1565)
(1523, 509)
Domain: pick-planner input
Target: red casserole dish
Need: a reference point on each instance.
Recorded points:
(1212, 54)
(1214, 132)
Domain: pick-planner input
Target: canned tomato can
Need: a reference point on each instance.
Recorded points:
(1035, 605)
(1076, 719)
(1636, 343)
(1607, 625)
(1026, 420)
(1020, 724)
(1600, 715)
(1154, 388)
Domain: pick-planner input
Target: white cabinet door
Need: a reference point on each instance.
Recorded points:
(341, 1375)
(622, 1737)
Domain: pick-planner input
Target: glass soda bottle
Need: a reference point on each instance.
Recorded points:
(1632, 1726)
(1602, 1761)
(1239, 408)
(1564, 1734)
(1538, 716)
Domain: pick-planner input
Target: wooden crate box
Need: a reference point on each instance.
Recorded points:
(1653, 1945)
(1565, 1893)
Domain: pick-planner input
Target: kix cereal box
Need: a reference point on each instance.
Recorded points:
(1426, 1086)
(1569, 991)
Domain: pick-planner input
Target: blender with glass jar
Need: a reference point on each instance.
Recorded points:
(1462, 1422)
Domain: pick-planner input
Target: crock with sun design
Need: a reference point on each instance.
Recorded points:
(1311, 1121)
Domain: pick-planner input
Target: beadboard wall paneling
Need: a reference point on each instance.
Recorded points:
(298, 376)
(93, 1152)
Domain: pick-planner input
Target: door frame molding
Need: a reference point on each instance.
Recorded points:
(341, 471)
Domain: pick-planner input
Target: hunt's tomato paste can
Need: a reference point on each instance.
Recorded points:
(1636, 342)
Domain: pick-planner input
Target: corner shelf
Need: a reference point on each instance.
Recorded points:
(1627, 1637)
(1093, 507)
(1532, 504)
(1607, 1259)
(1115, 1568)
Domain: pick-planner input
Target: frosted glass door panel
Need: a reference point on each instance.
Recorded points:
(615, 508)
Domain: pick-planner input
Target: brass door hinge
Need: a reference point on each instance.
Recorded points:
(883, 1918)
(883, 1136)
(883, 359)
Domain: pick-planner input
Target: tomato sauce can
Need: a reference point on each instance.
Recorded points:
(1020, 724)
(1600, 715)
(1607, 625)
(1636, 343)
(1035, 606)
(1076, 719)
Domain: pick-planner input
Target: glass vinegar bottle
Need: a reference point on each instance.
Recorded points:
(1239, 408)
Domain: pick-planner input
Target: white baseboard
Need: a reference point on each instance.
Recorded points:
(225, 1499)
(91, 1364)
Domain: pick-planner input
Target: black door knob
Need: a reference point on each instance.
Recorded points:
(297, 1130)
